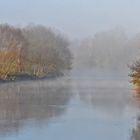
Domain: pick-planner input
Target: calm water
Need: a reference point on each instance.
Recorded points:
(70, 108)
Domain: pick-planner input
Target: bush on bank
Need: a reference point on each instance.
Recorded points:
(135, 74)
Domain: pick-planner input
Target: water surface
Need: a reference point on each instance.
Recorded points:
(69, 108)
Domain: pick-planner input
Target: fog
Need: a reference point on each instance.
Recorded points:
(103, 34)
(76, 18)
(109, 50)
(69, 69)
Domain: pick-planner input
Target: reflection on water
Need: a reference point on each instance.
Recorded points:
(70, 108)
(27, 102)
(136, 130)
(112, 102)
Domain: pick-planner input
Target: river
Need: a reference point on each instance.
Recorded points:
(75, 107)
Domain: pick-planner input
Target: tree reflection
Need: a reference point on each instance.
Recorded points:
(136, 130)
(38, 102)
(109, 101)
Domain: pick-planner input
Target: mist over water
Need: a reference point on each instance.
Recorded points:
(89, 46)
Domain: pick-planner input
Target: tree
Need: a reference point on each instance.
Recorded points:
(33, 50)
(12, 51)
(48, 51)
(135, 74)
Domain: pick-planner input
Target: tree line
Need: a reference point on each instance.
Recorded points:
(34, 50)
(112, 49)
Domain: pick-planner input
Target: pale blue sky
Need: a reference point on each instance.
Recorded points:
(75, 18)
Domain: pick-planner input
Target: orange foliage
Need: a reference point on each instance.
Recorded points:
(9, 62)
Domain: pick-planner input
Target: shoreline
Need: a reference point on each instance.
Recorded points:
(27, 77)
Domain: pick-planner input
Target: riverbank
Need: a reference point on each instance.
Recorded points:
(27, 77)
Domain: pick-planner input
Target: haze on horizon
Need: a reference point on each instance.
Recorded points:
(75, 18)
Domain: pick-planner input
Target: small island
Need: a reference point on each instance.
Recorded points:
(32, 52)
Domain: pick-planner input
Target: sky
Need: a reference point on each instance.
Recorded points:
(75, 18)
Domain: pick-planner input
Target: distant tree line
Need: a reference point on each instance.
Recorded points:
(108, 50)
(111, 50)
(34, 50)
